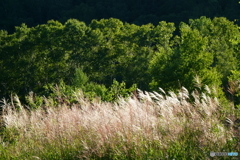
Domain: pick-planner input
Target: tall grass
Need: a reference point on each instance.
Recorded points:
(152, 126)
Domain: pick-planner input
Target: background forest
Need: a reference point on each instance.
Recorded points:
(37, 55)
(147, 57)
(14, 12)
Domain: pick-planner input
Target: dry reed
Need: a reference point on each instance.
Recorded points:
(156, 117)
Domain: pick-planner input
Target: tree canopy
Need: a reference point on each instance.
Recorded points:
(150, 56)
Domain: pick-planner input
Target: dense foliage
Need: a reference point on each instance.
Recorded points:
(90, 57)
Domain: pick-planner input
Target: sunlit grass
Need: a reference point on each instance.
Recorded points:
(153, 126)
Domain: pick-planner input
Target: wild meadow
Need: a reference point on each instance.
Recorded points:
(68, 90)
(149, 125)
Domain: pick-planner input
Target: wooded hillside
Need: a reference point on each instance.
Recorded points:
(204, 50)
(34, 12)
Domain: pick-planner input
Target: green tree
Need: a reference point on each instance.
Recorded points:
(184, 60)
(223, 38)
